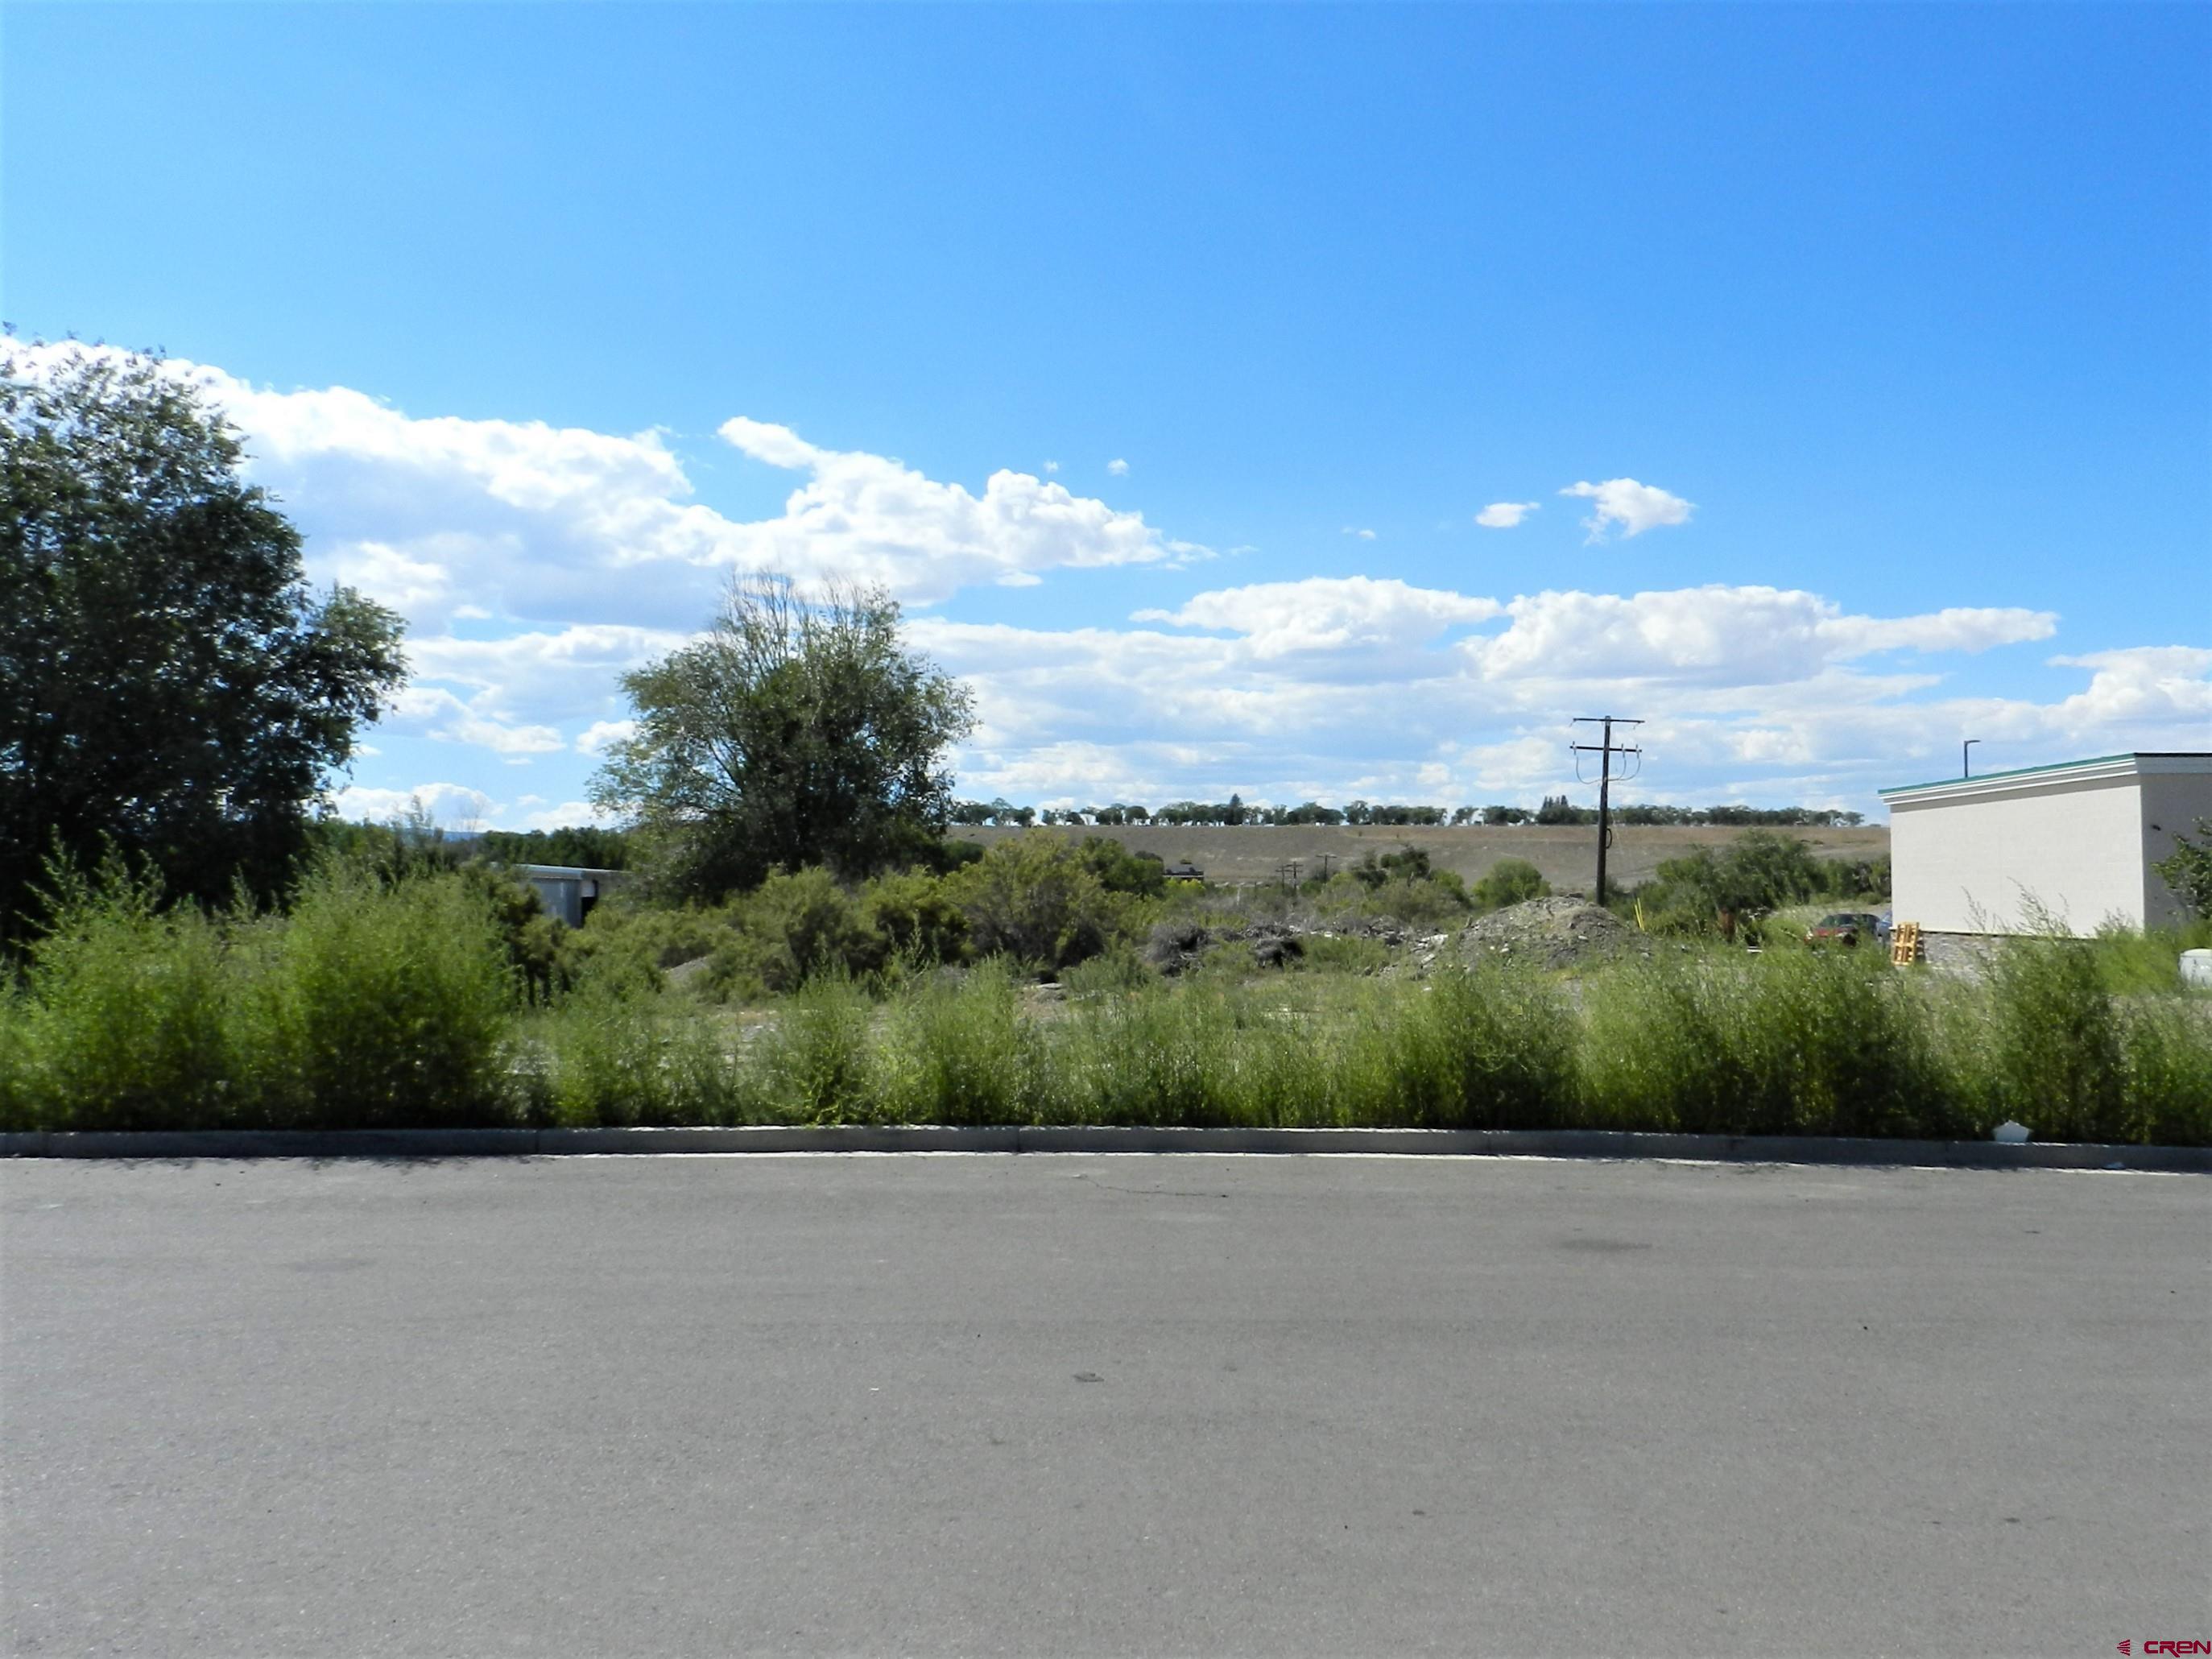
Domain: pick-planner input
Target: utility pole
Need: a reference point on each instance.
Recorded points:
(1605, 748)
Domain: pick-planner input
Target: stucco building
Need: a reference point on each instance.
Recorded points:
(1974, 855)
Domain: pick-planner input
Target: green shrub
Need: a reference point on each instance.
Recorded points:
(1707, 892)
(1344, 953)
(795, 925)
(2131, 962)
(1472, 1048)
(915, 917)
(667, 937)
(538, 947)
(2055, 1057)
(18, 1094)
(2187, 871)
(373, 1006)
(1158, 1057)
(2168, 1045)
(1037, 899)
(961, 1051)
(1510, 881)
(817, 1064)
(126, 1024)
(613, 1055)
(1112, 973)
(1797, 1043)
(1120, 871)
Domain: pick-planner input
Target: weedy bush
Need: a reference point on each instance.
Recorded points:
(1399, 886)
(1344, 953)
(960, 1051)
(1038, 900)
(2169, 1059)
(124, 1022)
(1115, 972)
(915, 918)
(18, 1098)
(374, 1005)
(1473, 1049)
(2059, 1052)
(2055, 1054)
(609, 1055)
(817, 1062)
(794, 925)
(658, 936)
(1510, 881)
(2148, 962)
(1794, 1043)
(1168, 1055)
(391, 998)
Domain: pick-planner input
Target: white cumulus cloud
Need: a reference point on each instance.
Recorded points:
(1118, 467)
(454, 805)
(597, 737)
(1635, 507)
(442, 715)
(1328, 613)
(1504, 515)
(867, 516)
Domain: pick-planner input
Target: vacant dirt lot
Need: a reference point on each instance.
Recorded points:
(1568, 857)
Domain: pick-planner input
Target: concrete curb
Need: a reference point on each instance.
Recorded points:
(923, 1137)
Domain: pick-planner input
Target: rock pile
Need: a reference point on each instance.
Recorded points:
(1552, 933)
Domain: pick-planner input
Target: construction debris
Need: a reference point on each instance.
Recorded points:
(1550, 932)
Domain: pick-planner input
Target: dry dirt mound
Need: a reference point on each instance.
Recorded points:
(1552, 933)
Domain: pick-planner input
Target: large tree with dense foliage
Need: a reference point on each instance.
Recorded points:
(797, 730)
(168, 684)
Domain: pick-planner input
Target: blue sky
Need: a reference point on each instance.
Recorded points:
(1881, 337)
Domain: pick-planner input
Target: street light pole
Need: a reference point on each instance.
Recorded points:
(1966, 758)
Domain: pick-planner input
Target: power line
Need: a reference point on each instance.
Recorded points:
(1605, 750)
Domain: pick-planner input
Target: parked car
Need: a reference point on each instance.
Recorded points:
(1846, 928)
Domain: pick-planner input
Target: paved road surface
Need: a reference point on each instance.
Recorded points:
(1130, 1404)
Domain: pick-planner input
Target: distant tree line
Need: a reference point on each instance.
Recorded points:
(1554, 810)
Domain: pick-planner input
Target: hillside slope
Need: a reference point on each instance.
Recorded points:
(1567, 856)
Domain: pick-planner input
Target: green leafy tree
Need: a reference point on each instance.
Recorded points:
(584, 845)
(1120, 871)
(796, 732)
(169, 685)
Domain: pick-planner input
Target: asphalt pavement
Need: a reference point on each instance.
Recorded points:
(1040, 1404)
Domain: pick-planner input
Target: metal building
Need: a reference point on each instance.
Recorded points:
(1977, 855)
(567, 891)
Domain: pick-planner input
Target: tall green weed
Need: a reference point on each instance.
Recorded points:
(961, 1051)
(1794, 1043)
(124, 1023)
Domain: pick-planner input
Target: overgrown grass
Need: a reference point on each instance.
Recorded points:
(1798, 1042)
(2147, 964)
(379, 1000)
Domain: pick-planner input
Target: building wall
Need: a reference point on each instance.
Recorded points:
(2172, 803)
(560, 897)
(1964, 866)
